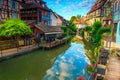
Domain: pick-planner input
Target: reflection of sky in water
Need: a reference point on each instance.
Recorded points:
(69, 65)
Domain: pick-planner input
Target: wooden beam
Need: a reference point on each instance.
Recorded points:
(20, 1)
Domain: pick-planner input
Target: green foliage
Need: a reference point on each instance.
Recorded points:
(104, 30)
(82, 33)
(88, 28)
(64, 28)
(72, 26)
(97, 32)
(93, 62)
(96, 53)
(90, 69)
(67, 33)
(97, 25)
(73, 18)
(14, 27)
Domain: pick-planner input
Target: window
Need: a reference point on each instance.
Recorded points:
(14, 5)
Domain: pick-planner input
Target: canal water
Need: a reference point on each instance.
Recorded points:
(65, 62)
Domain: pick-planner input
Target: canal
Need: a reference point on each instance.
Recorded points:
(31, 66)
(66, 62)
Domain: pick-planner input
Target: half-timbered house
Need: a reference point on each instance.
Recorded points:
(35, 10)
(38, 15)
(9, 9)
(100, 11)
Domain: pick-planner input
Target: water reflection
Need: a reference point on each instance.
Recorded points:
(69, 65)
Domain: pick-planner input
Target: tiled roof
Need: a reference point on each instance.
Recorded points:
(30, 22)
(54, 13)
(79, 21)
(47, 29)
(97, 5)
(61, 18)
(34, 4)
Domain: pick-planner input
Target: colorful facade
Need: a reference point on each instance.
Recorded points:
(99, 12)
(35, 10)
(9, 9)
(41, 20)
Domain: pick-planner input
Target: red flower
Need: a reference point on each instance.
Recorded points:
(81, 78)
(91, 65)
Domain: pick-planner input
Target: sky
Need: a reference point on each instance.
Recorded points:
(68, 8)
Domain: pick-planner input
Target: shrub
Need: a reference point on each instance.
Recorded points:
(93, 62)
(90, 68)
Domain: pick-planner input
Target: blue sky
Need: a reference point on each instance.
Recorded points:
(68, 8)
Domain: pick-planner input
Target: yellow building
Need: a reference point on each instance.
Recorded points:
(80, 22)
(100, 10)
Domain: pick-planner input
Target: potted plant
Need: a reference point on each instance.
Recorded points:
(90, 69)
(81, 78)
(93, 62)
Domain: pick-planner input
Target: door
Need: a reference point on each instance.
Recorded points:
(118, 33)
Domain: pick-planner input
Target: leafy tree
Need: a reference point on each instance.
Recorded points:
(64, 28)
(96, 32)
(14, 28)
(73, 18)
(88, 28)
(72, 26)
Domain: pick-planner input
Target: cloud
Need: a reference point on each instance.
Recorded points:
(57, 1)
(67, 9)
(87, 3)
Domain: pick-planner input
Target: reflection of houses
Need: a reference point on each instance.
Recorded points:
(9, 9)
(116, 20)
(100, 10)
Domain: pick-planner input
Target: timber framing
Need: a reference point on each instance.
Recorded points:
(7, 10)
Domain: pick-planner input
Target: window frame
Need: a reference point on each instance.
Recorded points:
(13, 4)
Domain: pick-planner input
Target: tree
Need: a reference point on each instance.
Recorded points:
(79, 16)
(96, 32)
(64, 28)
(72, 26)
(88, 28)
(73, 18)
(14, 28)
